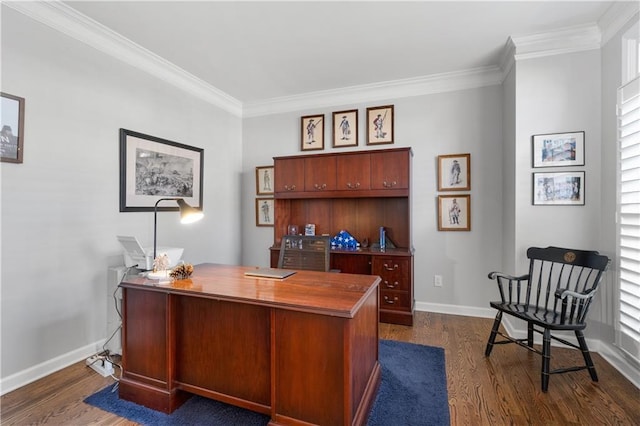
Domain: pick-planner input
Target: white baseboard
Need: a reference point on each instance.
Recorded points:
(610, 353)
(39, 371)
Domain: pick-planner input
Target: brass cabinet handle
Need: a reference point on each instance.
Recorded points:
(353, 186)
(390, 269)
(290, 188)
(389, 301)
(389, 285)
(389, 184)
(320, 187)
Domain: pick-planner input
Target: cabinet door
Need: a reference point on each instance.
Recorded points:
(289, 175)
(353, 172)
(320, 174)
(390, 170)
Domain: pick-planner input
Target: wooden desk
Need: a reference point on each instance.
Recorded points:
(303, 350)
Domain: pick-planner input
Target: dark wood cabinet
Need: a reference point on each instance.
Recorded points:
(289, 175)
(320, 174)
(359, 192)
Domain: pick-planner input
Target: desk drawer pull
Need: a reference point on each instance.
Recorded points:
(320, 187)
(389, 285)
(395, 266)
(388, 301)
(353, 185)
(290, 188)
(389, 184)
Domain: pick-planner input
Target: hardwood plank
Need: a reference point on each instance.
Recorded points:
(502, 389)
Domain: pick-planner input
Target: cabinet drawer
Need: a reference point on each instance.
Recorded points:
(392, 269)
(390, 299)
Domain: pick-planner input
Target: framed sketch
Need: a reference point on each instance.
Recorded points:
(265, 212)
(12, 133)
(454, 212)
(152, 168)
(380, 124)
(558, 149)
(558, 188)
(264, 180)
(312, 132)
(454, 172)
(345, 128)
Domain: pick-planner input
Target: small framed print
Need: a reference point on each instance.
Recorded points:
(454, 212)
(265, 212)
(12, 124)
(264, 180)
(380, 124)
(558, 149)
(312, 132)
(553, 189)
(345, 128)
(454, 172)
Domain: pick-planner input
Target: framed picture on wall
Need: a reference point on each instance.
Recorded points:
(454, 172)
(152, 168)
(312, 132)
(265, 212)
(553, 189)
(558, 149)
(12, 125)
(454, 212)
(264, 180)
(380, 124)
(345, 128)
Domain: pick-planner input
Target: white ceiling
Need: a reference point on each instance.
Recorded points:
(256, 51)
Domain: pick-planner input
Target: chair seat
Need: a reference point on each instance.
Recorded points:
(539, 316)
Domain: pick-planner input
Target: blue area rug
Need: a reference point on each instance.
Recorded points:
(413, 391)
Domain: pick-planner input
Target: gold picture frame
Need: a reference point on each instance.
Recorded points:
(265, 212)
(264, 180)
(454, 212)
(454, 172)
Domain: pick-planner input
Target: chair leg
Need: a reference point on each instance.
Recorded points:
(492, 336)
(546, 358)
(586, 355)
(530, 334)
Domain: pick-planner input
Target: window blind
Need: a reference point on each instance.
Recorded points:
(628, 333)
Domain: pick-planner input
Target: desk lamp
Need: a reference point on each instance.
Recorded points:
(188, 214)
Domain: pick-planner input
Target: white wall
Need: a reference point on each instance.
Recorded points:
(60, 208)
(467, 121)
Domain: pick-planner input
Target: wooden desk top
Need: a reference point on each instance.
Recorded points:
(326, 293)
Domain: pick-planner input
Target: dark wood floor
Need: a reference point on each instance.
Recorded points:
(501, 390)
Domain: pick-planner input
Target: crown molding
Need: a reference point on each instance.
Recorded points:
(67, 20)
(436, 83)
(616, 17)
(562, 41)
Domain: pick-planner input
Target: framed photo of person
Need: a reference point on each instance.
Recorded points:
(312, 132)
(380, 125)
(558, 149)
(553, 189)
(454, 172)
(454, 212)
(12, 128)
(264, 180)
(265, 212)
(345, 128)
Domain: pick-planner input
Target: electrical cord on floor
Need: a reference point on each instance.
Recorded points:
(106, 354)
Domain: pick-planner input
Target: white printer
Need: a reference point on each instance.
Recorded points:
(135, 254)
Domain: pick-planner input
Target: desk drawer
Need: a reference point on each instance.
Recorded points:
(390, 299)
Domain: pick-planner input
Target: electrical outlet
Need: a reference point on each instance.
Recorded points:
(437, 280)
(100, 365)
